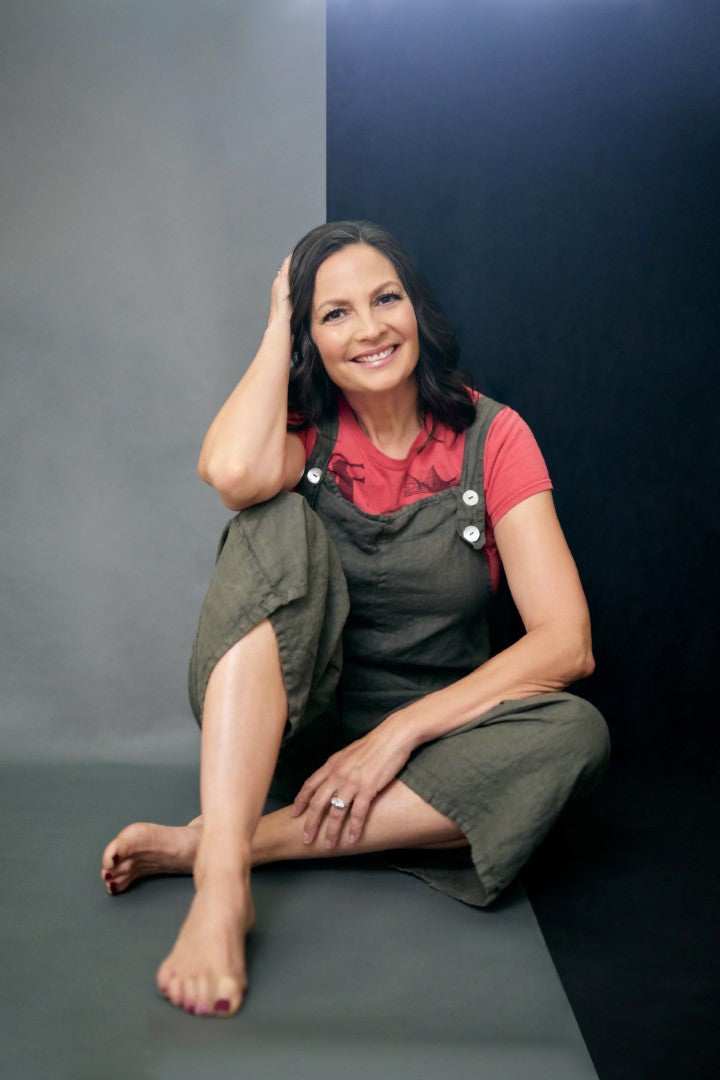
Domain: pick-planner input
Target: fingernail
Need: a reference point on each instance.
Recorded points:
(113, 888)
(306, 838)
(223, 1005)
(116, 860)
(107, 875)
(351, 838)
(328, 843)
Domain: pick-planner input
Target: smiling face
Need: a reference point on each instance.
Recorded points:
(363, 322)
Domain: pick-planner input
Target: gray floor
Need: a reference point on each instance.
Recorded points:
(356, 970)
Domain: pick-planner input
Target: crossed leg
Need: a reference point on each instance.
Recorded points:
(243, 720)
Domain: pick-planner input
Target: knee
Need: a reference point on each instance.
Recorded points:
(585, 736)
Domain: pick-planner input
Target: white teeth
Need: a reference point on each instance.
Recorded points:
(375, 356)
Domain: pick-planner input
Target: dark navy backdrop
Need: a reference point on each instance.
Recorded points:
(554, 167)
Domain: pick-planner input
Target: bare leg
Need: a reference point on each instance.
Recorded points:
(243, 720)
(398, 819)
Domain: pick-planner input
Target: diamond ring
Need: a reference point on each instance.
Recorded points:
(338, 803)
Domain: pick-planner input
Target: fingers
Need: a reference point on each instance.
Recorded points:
(336, 818)
(306, 792)
(281, 284)
(358, 815)
(354, 776)
(317, 808)
(352, 814)
(280, 291)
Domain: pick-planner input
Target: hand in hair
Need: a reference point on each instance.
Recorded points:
(280, 294)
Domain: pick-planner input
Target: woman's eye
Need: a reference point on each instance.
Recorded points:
(333, 315)
(388, 297)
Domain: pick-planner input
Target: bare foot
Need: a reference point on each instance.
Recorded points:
(205, 972)
(142, 849)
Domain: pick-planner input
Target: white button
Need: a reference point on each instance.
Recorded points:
(314, 475)
(471, 534)
(470, 497)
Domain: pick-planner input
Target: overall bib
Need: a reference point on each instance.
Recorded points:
(372, 612)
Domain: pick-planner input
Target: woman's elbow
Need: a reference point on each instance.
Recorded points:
(237, 485)
(587, 665)
(581, 662)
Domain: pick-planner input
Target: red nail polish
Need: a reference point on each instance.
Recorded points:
(107, 875)
(116, 860)
(223, 1005)
(113, 888)
(191, 1009)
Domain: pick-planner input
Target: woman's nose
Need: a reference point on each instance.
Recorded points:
(368, 325)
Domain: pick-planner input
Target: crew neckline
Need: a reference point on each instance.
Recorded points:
(373, 451)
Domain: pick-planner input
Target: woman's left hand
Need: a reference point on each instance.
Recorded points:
(356, 774)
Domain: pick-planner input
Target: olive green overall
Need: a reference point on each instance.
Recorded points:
(374, 611)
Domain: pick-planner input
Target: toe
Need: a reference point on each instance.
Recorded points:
(190, 996)
(228, 996)
(202, 996)
(175, 991)
(110, 855)
(163, 978)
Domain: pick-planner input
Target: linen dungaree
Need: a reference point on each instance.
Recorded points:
(419, 590)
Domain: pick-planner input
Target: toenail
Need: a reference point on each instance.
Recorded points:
(116, 860)
(190, 1008)
(203, 1010)
(223, 1005)
(108, 876)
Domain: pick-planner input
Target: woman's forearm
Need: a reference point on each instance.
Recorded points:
(243, 454)
(546, 659)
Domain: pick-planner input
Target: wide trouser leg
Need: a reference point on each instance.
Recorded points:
(503, 781)
(276, 561)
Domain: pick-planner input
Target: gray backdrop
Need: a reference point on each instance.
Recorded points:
(159, 158)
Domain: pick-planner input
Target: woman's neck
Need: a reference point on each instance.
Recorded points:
(390, 421)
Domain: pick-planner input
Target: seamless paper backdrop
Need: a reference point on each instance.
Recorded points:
(160, 158)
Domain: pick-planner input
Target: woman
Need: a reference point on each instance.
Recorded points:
(342, 647)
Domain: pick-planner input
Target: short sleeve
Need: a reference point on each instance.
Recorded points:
(514, 468)
(307, 435)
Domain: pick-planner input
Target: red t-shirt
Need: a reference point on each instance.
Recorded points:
(513, 468)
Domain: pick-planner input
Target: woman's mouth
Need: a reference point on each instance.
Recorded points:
(376, 359)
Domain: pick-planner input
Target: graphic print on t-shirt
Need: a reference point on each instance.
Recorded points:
(340, 468)
(433, 482)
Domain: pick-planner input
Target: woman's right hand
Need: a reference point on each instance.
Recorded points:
(280, 309)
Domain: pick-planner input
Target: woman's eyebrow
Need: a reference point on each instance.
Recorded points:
(391, 284)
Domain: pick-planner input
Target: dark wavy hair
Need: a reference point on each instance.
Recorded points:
(442, 390)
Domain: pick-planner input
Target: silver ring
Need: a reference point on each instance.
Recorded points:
(338, 803)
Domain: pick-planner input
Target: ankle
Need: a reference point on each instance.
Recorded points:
(223, 863)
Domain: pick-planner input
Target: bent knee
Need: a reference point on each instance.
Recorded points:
(585, 735)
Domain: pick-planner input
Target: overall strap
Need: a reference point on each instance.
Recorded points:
(317, 463)
(470, 516)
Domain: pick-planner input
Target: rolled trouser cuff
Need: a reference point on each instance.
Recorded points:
(503, 780)
(276, 561)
